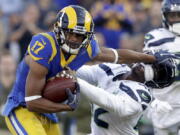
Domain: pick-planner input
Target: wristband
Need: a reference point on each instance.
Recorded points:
(30, 98)
(116, 55)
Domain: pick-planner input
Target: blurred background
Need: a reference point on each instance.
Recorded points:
(118, 24)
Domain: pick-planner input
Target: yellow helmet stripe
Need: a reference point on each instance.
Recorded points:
(88, 21)
(72, 16)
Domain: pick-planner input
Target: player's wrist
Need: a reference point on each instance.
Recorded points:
(31, 98)
(116, 55)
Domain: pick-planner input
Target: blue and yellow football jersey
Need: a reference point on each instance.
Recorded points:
(45, 50)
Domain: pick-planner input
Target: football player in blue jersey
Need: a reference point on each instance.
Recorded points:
(71, 44)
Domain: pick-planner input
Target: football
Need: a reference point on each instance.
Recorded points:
(55, 89)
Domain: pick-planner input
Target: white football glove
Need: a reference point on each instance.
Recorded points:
(161, 106)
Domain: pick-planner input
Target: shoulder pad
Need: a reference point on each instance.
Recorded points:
(42, 48)
(114, 69)
(157, 37)
(137, 91)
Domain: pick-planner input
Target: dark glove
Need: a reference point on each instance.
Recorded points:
(162, 55)
(73, 99)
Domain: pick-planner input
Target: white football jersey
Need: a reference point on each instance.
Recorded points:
(166, 40)
(119, 104)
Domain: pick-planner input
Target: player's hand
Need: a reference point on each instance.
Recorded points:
(68, 73)
(162, 55)
(73, 99)
(161, 106)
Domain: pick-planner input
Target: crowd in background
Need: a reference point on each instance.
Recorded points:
(118, 24)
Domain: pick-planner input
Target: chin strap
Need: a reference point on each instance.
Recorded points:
(67, 49)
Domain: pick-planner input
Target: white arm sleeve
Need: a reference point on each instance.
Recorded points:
(88, 73)
(122, 105)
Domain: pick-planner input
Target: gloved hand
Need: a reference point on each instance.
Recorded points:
(161, 106)
(162, 55)
(73, 99)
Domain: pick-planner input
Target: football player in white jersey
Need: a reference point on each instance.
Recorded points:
(119, 95)
(167, 38)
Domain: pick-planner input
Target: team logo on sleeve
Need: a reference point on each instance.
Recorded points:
(148, 37)
(145, 96)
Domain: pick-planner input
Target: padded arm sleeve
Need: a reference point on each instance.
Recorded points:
(122, 105)
(88, 73)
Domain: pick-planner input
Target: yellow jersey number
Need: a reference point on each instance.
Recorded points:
(37, 47)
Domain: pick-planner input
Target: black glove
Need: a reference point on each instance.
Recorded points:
(73, 99)
(162, 55)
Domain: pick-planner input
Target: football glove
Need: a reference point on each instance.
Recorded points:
(162, 55)
(161, 106)
(73, 99)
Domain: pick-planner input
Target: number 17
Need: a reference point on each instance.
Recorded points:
(37, 47)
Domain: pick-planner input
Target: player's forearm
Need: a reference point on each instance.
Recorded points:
(130, 56)
(97, 95)
(124, 56)
(34, 88)
(43, 105)
(106, 55)
(121, 105)
(87, 74)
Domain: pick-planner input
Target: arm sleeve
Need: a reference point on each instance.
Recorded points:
(122, 105)
(89, 73)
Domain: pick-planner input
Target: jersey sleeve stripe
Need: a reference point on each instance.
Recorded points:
(162, 41)
(33, 57)
(128, 91)
(106, 69)
(89, 50)
(53, 44)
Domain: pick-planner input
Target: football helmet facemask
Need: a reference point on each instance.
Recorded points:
(163, 74)
(73, 20)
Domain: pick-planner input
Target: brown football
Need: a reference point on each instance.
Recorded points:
(55, 89)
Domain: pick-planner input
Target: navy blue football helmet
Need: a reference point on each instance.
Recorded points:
(171, 8)
(164, 74)
(73, 19)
